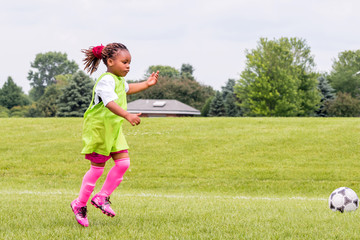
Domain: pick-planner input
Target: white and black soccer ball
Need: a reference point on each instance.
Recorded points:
(343, 199)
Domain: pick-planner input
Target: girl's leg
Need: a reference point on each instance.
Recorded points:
(88, 183)
(113, 179)
(115, 176)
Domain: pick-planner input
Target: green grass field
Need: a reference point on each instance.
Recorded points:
(190, 178)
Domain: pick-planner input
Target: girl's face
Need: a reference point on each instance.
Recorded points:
(120, 64)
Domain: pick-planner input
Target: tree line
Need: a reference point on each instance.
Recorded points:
(279, 79)
(60, 89)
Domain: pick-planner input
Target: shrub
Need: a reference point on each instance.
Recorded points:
(344, 105)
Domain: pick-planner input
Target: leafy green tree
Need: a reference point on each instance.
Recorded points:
(217, 106)
(36, 92)
(327, 94)
(177, 87)
(344, 105)
(33, 111)
(165, 71)
(279, 79)
(76, 96)
(48, 66)
(12, 95)
(47, 104)
(62, 80)
(345, 76)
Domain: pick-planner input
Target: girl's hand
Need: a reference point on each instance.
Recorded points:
(133, 119)
(152, 80)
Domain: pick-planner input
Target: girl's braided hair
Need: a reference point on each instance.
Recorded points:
(93, 55)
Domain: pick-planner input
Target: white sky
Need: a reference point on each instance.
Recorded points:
(210, 35)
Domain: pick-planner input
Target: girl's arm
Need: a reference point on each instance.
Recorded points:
(138, 87)
(133, 119)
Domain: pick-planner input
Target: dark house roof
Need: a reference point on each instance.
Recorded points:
(161, 106)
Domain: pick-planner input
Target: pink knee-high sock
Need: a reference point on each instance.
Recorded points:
(88, 184)
(115, 176)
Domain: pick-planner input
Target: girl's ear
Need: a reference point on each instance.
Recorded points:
(110, 62)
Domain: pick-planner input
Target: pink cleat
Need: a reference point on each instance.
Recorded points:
(103, 203)
(80, 213)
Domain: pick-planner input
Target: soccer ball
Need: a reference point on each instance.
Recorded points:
(343, 199)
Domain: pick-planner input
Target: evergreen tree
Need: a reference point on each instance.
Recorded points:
(12, 95)
(230, 100)
(327, 94)
(76, 96)
(228, 88)
(206, 108)
(231, 108)
(217, 106)
(187, 68)
(187, 71)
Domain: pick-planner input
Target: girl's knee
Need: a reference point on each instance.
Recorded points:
(98, 164)
(123, 163)
(119, 155)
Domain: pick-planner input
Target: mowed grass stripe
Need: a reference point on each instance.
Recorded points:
(50, 217)
(155, 195)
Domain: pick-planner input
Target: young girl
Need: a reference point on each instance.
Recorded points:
(102, 131)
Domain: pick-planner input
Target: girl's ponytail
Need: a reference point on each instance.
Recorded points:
(94, 55)
(92, 59)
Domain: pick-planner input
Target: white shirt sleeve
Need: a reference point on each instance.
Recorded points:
(105, 89)
(126, 87)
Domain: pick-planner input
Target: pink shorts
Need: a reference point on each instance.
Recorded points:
(98, 158)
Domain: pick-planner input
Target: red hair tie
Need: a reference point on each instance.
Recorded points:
(97, 51)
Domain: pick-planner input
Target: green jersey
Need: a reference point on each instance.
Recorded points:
(102, 129)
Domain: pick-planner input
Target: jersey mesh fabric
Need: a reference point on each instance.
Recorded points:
(102, 129)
